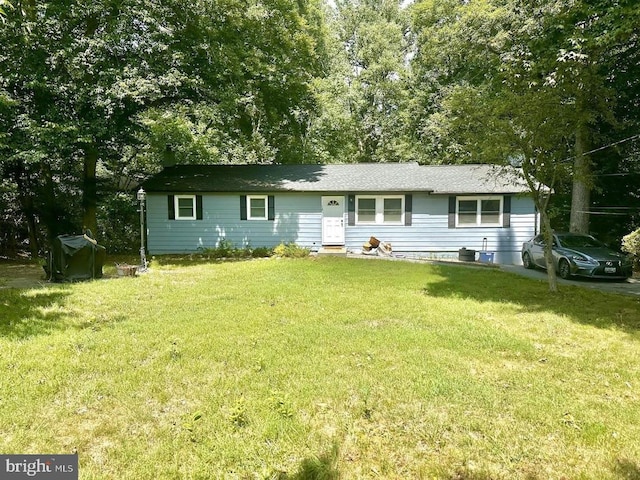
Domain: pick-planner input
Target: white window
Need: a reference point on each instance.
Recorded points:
(185, 207)
(479, 212)
(380, 209)
(392, 210)
(257, 207)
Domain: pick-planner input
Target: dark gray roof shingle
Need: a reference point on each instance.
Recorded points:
(359, 177)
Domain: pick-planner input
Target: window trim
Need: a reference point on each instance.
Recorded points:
(478, 199)
(176, 203)
(379, 209)
(266, 206)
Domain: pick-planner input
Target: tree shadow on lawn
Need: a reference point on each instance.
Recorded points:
(627, 469)
(316, 468)
(29, 312)
(581, 305)
(323, 467)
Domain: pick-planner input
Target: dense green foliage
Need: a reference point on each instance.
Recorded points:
(366, 368)
(228, 251)
(541, 84)
(631, 244)
(96, 95)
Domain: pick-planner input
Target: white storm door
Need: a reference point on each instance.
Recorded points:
(333, 220)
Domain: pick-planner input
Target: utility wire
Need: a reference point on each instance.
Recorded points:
(614, 208)
(614, 174)
(606, 213)
(624, 140)
(633, 137)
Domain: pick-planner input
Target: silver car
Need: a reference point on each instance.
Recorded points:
(578, 254)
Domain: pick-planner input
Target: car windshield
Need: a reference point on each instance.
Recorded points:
(579, 241)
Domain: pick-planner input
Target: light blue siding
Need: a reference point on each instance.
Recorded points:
(429, 235)
(298, 218)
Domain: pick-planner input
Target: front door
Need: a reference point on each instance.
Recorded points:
(333, 220)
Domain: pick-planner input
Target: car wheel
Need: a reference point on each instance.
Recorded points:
(526, 260)
(564, 270)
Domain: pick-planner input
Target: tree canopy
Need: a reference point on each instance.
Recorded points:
(96, 95)
(93, 92)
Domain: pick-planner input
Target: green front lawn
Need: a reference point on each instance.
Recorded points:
(322, 368)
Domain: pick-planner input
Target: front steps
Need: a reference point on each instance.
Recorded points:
(337, 251)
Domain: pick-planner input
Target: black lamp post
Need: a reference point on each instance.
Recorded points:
(142, 196)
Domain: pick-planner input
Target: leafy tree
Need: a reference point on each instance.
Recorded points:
(331, 129)
(256, 63)
(93, 91)
(78, 73)
(364, 99)
(501, 85)
(4, 6)
(631, 244)
(485, 106)
(584, 52)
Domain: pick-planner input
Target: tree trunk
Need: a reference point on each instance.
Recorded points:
(25, 197)
(32, 225)
(90, 190)
(541, 199)
(50, 208)
(547, 232)
(582, 181)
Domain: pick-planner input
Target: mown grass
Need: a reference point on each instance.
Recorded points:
(322, 368)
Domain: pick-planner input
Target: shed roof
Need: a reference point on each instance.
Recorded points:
(358, 177)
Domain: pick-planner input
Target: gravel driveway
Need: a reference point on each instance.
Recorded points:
(629, 287)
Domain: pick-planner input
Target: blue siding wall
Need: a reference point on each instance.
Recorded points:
(429, 235)
(298, 218)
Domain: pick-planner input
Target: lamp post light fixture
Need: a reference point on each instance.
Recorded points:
(142, 196)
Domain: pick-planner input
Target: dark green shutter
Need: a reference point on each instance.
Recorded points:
(408, 207)
(271, 207)
(351, 209)
(506, 211)
(198, 207)
(452, 212)
(171, 205)
(243, 207)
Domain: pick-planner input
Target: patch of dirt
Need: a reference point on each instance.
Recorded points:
(15, 274)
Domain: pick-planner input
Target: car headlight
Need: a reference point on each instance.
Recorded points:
(582, 259)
